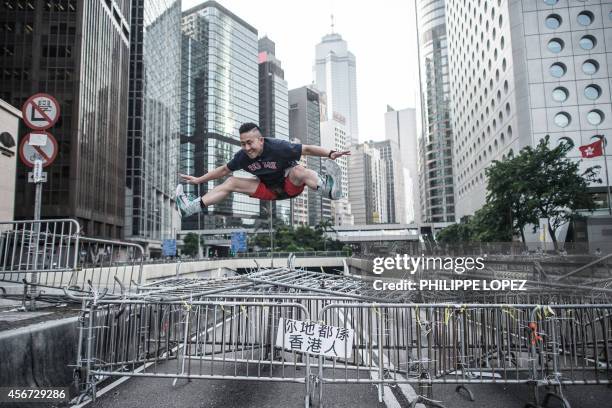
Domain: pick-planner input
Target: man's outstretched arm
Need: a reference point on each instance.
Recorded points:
(219, 172)
(310, 150)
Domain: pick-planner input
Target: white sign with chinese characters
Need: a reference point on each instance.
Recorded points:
(314, 338)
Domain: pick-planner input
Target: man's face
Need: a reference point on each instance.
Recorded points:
(252, 143)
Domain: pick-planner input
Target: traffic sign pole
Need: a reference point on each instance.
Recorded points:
(38, 180)
(37, 150)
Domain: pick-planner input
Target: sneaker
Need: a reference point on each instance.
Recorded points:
(332, 186)
(187, 205)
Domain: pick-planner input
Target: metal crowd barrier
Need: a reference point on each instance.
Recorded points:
(225, 329)
(429, 344)
(46, 257)
(189, 340)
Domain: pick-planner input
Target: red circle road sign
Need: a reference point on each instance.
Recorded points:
(43, 147)
(40, 111)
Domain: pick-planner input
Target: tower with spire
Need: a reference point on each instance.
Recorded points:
(334, 74)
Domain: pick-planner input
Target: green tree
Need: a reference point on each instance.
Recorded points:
(454, 233)
(300, 239)
(323, 227)
(510, 194)
(190, 244)
(538, 183)
(558, 185)
(491, 224)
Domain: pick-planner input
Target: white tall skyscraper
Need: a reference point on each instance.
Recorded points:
(368, 185)
(334, 136)
(401, 128)
(521, 70)
(334, 75)
(395, 200)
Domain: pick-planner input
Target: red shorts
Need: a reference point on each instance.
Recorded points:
(289, 190)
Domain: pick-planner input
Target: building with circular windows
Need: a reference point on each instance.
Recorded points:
(545, 71)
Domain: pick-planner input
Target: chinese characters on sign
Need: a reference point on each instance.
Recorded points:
(313, 338)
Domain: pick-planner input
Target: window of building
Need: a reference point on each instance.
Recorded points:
(558, 69)
(590, 67)
(553, 21)
(588, 42)
(592, 92)
(595, 117)
(556, 45)
(585, 18)
(560, 94)
(562, 119)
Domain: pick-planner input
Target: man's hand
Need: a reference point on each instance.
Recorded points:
(335, 155)
(189, 179)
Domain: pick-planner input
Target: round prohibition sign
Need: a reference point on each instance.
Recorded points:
(46, 152)
(40, 111)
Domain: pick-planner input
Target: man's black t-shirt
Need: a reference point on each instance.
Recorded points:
(277, 156)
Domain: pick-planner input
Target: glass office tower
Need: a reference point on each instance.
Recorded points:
(63, 47)
(153, 127)
(220, 88)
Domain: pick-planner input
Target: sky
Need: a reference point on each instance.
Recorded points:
(381, 35)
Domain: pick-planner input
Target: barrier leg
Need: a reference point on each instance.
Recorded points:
(469, 393)
(536, 397)
(427, 401)
(564, 402)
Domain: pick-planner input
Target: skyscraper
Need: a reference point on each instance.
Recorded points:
(335, 76)
(401, 129)
(220, 91)
(273, 93)
(304, 125)
(520, 71)
(273, 110)
(153, 123)
(395, 200)
(64, 48)
(436, 146)
(367, 185)
(334, 137)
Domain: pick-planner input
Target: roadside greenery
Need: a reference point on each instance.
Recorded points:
(299, 239)
(538, 183)
(190, 244)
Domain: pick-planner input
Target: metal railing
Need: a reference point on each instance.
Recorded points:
(188, 340)
(50, 256)
(554, 345)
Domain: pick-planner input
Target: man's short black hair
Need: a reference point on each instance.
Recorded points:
(247, 127)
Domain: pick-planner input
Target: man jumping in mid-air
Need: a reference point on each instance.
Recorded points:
(274, 162)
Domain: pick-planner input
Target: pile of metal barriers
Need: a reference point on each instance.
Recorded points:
(553, 335)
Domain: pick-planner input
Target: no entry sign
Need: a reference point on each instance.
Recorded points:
(40, 111)
(38, 145)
